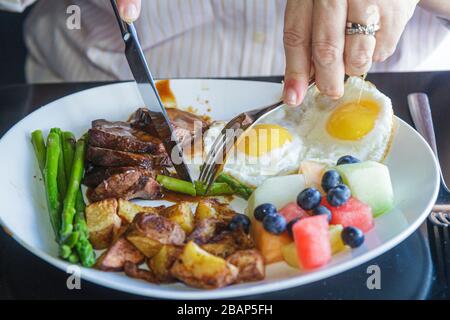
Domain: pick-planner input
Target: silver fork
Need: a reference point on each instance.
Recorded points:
(225, 141)
(419, 107)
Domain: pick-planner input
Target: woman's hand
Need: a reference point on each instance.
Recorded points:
(129, 9)
(315, 41)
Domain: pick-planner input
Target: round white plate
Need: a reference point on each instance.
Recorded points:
(23, 207)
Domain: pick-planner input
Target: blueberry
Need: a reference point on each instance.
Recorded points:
(347, 160)
(309, 198)
(352, 237)
(322, 210)
(240, 221)
(274, 223)
(264, 209)
(331, 179)
(339, 195)
(290, 225)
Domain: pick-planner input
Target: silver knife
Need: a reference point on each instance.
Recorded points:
(147, 88)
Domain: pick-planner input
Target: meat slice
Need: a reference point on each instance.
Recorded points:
(132, 184)
(121, 136)
(114, 158)
(95, 175)
(186, 125)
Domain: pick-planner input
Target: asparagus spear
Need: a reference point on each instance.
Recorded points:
(241, 189)
(40, 150)
(217, 189)
(68, 147)
(50, 179)
(62, 180)
(73, 189)
(177, 185)
(83, 246)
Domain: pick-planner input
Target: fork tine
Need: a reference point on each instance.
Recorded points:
(211, 158)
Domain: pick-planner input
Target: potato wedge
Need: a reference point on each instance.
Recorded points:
(181, 213)
(103, 223)
(250, 264)
(222, 245)
(200, 269)
(161, 263)
(204, 230)
(133, 271)
(120, 252)
(205, 210)
(150, 232)
(127, 210)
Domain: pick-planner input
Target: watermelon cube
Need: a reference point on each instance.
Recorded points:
(312, 239)
(353, 213)
(292, 211)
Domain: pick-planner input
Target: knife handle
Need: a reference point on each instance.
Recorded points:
(122, 24)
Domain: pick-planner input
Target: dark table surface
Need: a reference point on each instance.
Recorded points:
(407, 271)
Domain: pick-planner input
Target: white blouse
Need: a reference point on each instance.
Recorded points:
(182, 38)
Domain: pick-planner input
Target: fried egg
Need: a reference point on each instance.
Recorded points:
(358, 124)
(321, 129)
(268, 149)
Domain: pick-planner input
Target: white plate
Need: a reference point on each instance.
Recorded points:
(23, 209)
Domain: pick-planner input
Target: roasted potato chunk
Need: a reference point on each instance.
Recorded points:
(120, 252)
(103, 223)
(250, 264)
(221, 245)
(161, 263)
(205, 210)
(200, 269)
(181, 213)
(133, 271)
(150, 232)
(228, 242)
(128, 210)
(204, 230)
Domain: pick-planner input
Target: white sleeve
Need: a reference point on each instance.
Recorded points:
(15, 5)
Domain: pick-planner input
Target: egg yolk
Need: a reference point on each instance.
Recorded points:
(352, 121)
(263, 138)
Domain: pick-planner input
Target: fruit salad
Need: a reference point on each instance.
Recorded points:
(306, 218)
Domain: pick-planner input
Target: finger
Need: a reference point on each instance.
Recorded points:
(297, 45)
(391, 28)
(359, 48)
(129, 9)
(328, 38)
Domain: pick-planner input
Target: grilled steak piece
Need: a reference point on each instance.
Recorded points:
(95, 175)
(114, 158)
(121, 136)
(132, 184)
(186, 125)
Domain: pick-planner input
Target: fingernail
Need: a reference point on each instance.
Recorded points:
(129, 12)
(290, 97)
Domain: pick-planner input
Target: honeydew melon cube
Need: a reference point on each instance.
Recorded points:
(369, 182)
(278, 191)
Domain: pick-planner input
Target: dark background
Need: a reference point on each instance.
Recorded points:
(12, 50)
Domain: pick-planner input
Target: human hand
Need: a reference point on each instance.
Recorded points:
(129, 9)
(316, 44)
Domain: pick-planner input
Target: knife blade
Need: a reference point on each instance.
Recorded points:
(150, 96)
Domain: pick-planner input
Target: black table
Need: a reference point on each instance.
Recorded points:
(407, 270)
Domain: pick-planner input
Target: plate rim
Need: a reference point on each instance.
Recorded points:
(233, 291)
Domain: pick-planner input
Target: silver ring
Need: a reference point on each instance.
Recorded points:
(357, 28)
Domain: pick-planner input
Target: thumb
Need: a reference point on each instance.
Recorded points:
(129, 9)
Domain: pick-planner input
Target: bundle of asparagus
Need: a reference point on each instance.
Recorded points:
(61, 162)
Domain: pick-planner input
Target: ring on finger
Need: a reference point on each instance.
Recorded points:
(352, 28)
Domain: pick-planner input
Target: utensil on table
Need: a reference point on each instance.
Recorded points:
(234, 129)
(147, 89)
(439, 218)
(420, 110)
